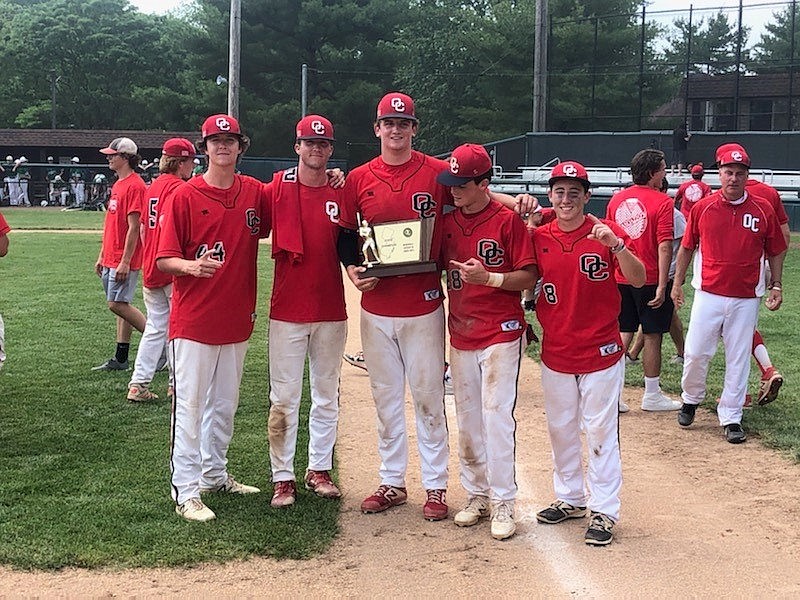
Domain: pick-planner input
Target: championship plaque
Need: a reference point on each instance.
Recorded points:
(397, 248)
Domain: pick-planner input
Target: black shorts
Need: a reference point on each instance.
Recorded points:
(634, 310)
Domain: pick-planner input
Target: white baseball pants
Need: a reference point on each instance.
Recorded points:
(157, 301)
(207, 382)
(14, 190)
(485, 386)
(289, 343)
(79, 190)
(587, 403)
(23, 193)
(712, 317)
(397, 349)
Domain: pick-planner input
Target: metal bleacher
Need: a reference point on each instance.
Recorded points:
(608, 180)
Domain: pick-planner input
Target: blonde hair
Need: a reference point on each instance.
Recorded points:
(171, 164)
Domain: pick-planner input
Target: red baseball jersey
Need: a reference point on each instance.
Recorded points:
(157, 194)
(480, 316)
(689, 192)
(732, 242)
(306, 288)
(4, 228)
(645, 215)
(771, 195)
(382, 193)
(127, 197)
(200, 218)
(580, 302)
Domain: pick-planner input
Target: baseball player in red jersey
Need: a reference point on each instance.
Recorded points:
(402, 319)
(734, 231)
(645, 213)
(307, 312)
(771, 379)
(175, 167)
(209, 242)
(489, 260)
(583, 368)
(692, 190)
(4, 229)
(120, 256)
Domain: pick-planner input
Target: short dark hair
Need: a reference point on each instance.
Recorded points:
(645, 164)
(487, 175)
(244, 144)
(133, 160)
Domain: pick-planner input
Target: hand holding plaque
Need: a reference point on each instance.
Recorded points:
(397, 248)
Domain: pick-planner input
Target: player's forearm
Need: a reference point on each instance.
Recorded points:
(776, 268)
(174, 265)
(521, 279)
(787, 235)
(682, 264)
(632, 268)
(664, 261)
(131, 240)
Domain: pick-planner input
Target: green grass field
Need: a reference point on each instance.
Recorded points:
(84, 474)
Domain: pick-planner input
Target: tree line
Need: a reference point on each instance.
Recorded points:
(468, 63)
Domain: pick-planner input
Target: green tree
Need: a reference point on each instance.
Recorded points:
(713, 45)
(774, 52)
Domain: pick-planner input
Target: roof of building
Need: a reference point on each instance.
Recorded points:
(87, 138)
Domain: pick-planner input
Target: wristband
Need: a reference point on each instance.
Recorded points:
(495, 280)
(775, 285)
(777, 288)
(619, 247)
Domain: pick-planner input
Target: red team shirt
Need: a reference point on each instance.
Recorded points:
(127, 196)
(157, 194)
(690, 192)
(308, 289)
(4, 228)
(771, 195)
(733, 241)
(383, 193)
(645, 215)
(221, 309)
(578, 286)
(480, 316)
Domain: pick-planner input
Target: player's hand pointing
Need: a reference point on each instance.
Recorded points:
(204, 267)
(471, 271)
(602, 232)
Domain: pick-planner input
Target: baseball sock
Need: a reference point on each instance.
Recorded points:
(760, 353)
(122, 352)
(651, 385)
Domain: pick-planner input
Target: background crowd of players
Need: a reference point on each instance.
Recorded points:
(194, 241)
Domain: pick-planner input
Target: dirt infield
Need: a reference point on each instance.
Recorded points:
(700, 518)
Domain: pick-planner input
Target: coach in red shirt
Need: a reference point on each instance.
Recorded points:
(733, 231)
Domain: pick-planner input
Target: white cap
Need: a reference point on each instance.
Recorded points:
(9, 158)
(22, 159)
(121, 145)
(75, 159)
(50, 158)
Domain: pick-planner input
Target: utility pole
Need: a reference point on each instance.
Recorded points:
(303, 90)
(234, 58)
(540, 67)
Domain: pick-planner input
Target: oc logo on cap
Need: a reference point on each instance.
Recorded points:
(223, 124)
(570, 171)
(453, 165)
(398, 104)
(318, 127)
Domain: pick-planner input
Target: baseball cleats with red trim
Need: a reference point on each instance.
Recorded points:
(435, 508)
(321, 484)
(476, 509)
(384, 498)
(599, 532)
(139, 392)
(503, 525)
(284, 495)
(769, 387)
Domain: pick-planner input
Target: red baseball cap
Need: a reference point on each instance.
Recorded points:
(314, 127)
(732, 154)
(178, 147)
(569, 170)
(466, 162)
(697, 169)
(216, 124)
(396, 105)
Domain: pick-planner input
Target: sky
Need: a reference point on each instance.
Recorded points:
(754, 17)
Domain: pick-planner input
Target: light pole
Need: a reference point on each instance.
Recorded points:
(53, 80)
(234, 55)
